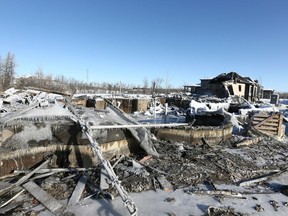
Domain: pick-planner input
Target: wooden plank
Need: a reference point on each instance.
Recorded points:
(44, 198)
(44, 170)
(276, 124)
(12, 198)
(10, 207)
(218, 192)
(165, 185)
(104, 179)
(268, 132)
(24, 178)
(266, 120)
(271, 121)
(258, 119)
(261, 178)
(276, 115)
(272, 129)
(280, 125)
(262, 115)
(249, 142)
(76, 195)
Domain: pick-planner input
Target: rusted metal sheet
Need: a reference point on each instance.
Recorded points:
(268, 123)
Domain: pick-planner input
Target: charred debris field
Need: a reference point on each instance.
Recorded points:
(58, 153)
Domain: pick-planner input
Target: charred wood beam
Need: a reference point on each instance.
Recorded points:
(261, 178)
(249, 142)
(24, 178)
(76, 195)
(46, 199)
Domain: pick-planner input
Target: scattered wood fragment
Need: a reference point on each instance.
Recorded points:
(76, 195)
(257, 132)
(42, 176)
(104, 179)
(44, 170)
(167, 143)
(101, 110)
(249, 142)
(206, 143)
(154, 169)
(44, 198)
(217, 193)
(119, 159)
(213, 210)
(164, 183)
(261, 178)
(269, 124)
(101, 194)
(145, 159)
(11, 199)
(24, 178)
(8, 176)
(10, 207)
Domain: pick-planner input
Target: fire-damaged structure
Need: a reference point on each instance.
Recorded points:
(65, 155)
(227, 84)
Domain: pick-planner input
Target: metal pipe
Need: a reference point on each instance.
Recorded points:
(96, 127)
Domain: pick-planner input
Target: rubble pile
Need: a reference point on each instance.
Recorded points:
(247, 159)
(179, 164)
(184, 165)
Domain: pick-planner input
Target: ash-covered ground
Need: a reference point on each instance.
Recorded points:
(196, 167)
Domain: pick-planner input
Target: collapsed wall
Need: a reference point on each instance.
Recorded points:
(27, 138)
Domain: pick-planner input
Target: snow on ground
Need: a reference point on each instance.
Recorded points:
(180, 203)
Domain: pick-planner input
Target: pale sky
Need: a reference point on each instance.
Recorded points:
(130, 40)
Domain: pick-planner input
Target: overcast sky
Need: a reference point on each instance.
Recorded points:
(180, 41)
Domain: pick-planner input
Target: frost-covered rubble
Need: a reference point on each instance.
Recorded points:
(203, 179)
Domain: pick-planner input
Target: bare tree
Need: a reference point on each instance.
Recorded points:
(145, 85)
(8, 71)
(167, 84)
(157, 84)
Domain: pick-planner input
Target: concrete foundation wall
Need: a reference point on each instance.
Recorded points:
(140, 105)
(126, 104)
(63, 156)
(100, 104)
(213, 135)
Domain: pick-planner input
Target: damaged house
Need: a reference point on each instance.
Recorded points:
(227, 84)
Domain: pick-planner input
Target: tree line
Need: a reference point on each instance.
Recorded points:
(62, 84)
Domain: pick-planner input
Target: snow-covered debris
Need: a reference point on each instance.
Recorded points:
(36, 114)
(9, 92)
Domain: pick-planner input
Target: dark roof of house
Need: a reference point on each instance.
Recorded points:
(230, 76)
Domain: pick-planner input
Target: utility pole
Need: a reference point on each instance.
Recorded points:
(87, 76)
